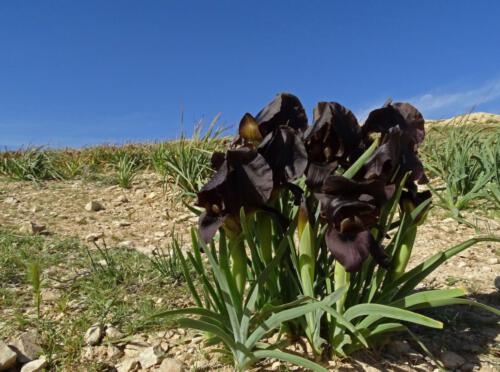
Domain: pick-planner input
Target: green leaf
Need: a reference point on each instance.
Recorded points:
(187, 276)
(295, 359)
(390, 312)
(358, 164)
(413, 277)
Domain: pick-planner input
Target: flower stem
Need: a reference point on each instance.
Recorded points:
(403, 254)
(239, 264)
(342, 278)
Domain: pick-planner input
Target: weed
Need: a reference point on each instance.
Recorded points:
(34, 274)
(467, 159)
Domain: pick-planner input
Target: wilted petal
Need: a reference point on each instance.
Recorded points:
(284, 151)
(284, 109)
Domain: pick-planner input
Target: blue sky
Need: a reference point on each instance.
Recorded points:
(85, 72)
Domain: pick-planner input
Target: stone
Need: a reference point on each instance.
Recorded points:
(133, 349)
(128, 365)
(11, 200)
(398, 347)
(32, 228)
(467, 367)
(94, 237)
(452, 360)
(493, 261)
(171, 365)
(126, 244)
(113, 333)
(35, 365)
(121, 223)
(147, 250)
(113, 352)
(160, 234)
(93, 335)
(150, 356)
(35, 209)
(7, 356)
(122, 199)
(94, 206)
(27, 346)
(151, 195)
(80, 220)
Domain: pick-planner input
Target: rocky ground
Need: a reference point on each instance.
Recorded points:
(92, 318)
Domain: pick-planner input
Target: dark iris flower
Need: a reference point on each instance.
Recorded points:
(351, 209)
(402, 128)
(284, 151)
(284, 110)
(276, 132)
(333, 139)
(243, 179)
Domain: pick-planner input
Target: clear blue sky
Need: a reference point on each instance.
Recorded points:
(85, 72)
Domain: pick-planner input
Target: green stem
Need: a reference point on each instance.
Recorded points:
(239, 264)
(402, 256)
(342, 278)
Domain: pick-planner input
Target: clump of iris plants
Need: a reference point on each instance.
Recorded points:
(306, 230)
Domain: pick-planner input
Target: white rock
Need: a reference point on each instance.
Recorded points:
(35, 209)
(94, 237)
(126, 244)
(133, 349)
(147, 250)
(150, 356)
(128, 365)
(34, 366)
(160, 234)
(31, 228)
(10, 200)
(113, 333)
(80, 220)
(27, 346)
(93, 335)
(113, 352)
(122, 199)
(7, 356)
(94, 206)
(121, 223)
(452, 360)
(493, 261)
(151, 195)
(171, 365)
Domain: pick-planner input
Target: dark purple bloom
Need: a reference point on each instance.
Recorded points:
(351, 209)
(243, 179)
(402, 129)
(333, 139)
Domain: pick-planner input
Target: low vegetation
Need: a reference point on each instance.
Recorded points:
(100, 286)
(248, 282)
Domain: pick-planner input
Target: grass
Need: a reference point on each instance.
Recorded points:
(464, 160)
(102, 285)
(185, 162)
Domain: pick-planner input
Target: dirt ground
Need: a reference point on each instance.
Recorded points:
(145, 216)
